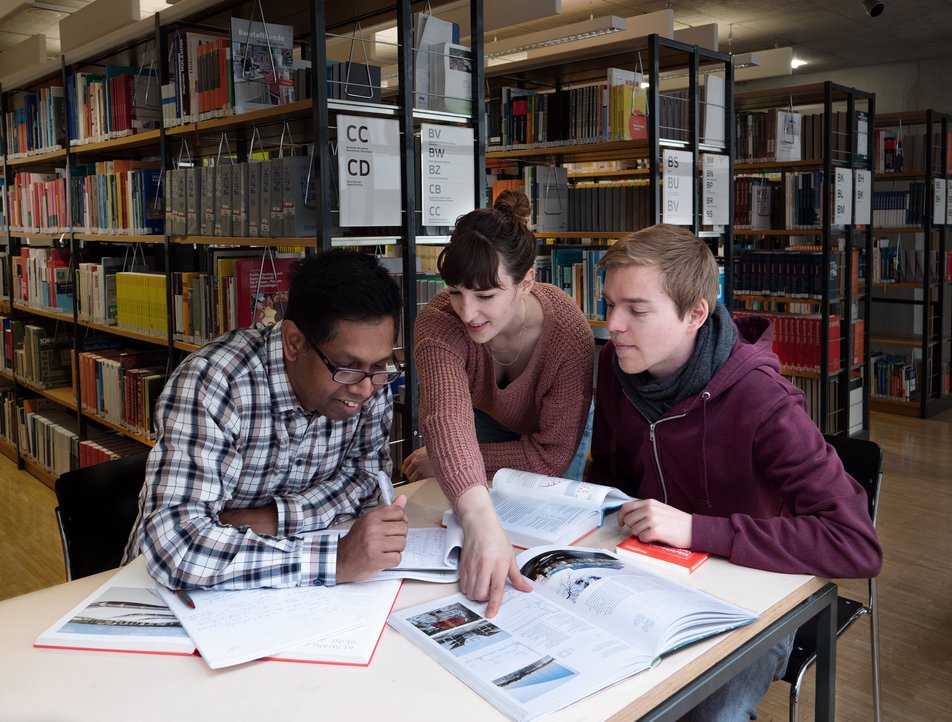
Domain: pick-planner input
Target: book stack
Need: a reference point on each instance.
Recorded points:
(37, 122)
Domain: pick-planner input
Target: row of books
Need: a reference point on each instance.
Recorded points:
(36, 123)
(42, 279)
(797, 341)
(240, 290)
(122, 386)
(903, 149)
(576, 272)
(40, 353)
(794, 273)
(894, 377)
(585, 114)
(114, 197)
(790, 200)
(775, 135)
(267, 199)
(894, 264)
(901, 208)
(44, 433)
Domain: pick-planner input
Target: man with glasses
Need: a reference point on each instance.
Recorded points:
(265, 435)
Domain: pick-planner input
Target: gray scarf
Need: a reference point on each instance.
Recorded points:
(712, 347)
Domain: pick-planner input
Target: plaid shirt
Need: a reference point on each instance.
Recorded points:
(232, 435)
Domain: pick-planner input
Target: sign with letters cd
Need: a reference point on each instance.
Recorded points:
(368, 165)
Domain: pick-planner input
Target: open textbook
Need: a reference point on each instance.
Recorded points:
(128, 614)
(591, 620)
(536, 509)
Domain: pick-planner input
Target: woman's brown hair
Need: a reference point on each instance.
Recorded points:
(485, 237)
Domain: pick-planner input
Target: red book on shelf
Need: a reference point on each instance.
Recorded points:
(662, 555)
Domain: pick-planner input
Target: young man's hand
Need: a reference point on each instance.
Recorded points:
(652, 521)
(373, 543)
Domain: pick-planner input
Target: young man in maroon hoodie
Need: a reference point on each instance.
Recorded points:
(693, 417)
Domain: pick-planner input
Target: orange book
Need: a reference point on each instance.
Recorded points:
(661, 555)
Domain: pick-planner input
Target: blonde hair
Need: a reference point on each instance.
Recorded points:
(688, 269)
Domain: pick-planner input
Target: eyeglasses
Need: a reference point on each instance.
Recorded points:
(348, 377)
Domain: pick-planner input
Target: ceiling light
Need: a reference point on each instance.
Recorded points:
(747, 60)
(596, 27)
(797, 62)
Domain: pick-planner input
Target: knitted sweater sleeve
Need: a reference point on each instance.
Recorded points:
(446, 406)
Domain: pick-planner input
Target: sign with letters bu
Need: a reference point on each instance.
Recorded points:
(678, 199)
(368, 163)
(862, 197)
(842, 197)
(716, 189)
(447, 173)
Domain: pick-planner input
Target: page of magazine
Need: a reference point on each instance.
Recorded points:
(527, 482)
(649, 610)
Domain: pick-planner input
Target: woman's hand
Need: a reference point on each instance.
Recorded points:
(418, 465)
(487, 559)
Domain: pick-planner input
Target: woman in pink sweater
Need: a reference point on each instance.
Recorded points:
(505, 371)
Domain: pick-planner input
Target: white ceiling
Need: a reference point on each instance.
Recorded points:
(829, 34)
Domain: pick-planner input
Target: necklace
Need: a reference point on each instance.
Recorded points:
(522, 331)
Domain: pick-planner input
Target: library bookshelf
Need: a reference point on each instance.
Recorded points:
(803, 167)
(911, 265)
(57, 270)
(610, 139)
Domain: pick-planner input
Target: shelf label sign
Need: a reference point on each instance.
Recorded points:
(842, 197)
(948, 203)
(716, 189)
(368, 167)
(862, 197)
(447, 175)
(939, 204)
(677, 198)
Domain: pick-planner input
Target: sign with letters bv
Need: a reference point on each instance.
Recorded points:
(678, 200)
(716, 189)
(368, 163)
(447, 173)
(842, 197)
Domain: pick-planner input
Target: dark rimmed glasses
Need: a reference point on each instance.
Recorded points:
(349, 377)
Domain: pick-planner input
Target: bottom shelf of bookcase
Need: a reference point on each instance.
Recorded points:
(9, 450)
(39, 472)
(912, 408)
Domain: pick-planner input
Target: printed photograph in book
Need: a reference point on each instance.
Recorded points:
(262, 57)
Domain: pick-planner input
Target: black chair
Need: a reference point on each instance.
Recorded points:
(863, 461)
(97, 508)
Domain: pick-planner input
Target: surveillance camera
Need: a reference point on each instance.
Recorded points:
(874, 8)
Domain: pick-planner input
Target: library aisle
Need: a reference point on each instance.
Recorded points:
(914, 589)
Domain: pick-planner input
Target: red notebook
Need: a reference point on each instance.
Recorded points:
(675, 558)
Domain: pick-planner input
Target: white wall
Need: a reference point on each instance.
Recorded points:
(912, 85)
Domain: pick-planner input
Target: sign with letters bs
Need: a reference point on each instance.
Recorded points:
(678, 177)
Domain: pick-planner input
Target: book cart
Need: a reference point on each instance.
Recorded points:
(803, 237)
(911, 267)
(610, 139)
(95, 210)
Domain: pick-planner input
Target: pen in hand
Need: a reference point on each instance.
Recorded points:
(185, 598)
(386, 488)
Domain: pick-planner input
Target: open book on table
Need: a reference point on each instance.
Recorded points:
(535, 509)
(591, 620)
(129, 614)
